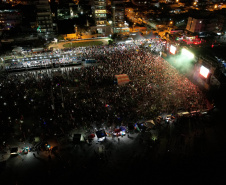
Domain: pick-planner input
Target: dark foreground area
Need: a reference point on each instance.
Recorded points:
(196, 157)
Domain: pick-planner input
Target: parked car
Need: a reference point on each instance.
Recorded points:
(14, 150)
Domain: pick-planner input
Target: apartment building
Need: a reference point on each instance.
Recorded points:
(195, 25)
(100, 17)
(44, 19)
(118, 17)
(9, 18)
(212, 23)
(100, 12)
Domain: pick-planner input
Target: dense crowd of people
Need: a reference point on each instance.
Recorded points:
(87, 96)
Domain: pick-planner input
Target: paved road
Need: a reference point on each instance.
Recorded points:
(60, 45)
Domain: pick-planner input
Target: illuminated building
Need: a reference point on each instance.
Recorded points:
(118, 17)
(195, 25)
(147, 3)
(211, 22)
(9, 18)
(100, 17)
(15, 2)
(100, 12)
(44, 19)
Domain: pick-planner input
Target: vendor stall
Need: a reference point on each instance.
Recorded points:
(149, 124)
(101, 135)
(123, 130)
(122, 79)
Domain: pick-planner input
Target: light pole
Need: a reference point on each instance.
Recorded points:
(3, 62)
(75, 27)
(62, 98)
(134, 25)
(52, 98)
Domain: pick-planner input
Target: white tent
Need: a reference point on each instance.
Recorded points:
(17, 50)
(149, 123)
(150, 36)
(129, 40)
(138, 36)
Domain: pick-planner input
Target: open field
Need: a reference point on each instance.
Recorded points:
(83, 44)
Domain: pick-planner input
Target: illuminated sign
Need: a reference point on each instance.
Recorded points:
(100, 11)
(187, 53)
(173, 49)
(39, 29)
(204, 71)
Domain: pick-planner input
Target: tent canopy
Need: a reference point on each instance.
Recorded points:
(101, 133)
(117, 130)
(130, 38)
(91, 136)
(149, 123)
(138, 36)
(122, 128)
(150, 36)
(122, 79)
(17, 49)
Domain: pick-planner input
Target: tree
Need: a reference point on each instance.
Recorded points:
(60, 37)
(110, 42)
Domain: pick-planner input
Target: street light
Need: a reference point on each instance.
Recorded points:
(134, 25)
(75, 27)
(3, 61)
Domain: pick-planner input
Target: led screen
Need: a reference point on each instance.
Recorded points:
(204, 71)
(173, 49)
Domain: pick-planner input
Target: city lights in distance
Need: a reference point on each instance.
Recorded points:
(204, 71)
(187, 53)
(173, 49)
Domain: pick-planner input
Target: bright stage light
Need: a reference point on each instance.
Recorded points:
(187, 53)
(204, 71)
(173, 49)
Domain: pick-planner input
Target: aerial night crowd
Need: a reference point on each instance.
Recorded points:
(87, 96)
